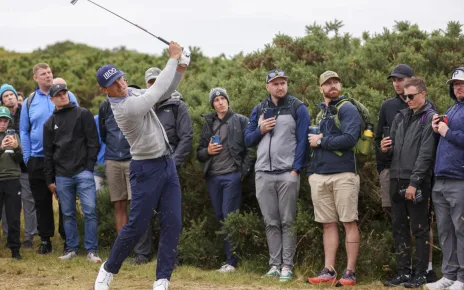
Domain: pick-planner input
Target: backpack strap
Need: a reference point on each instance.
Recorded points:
(424, 117)
(28, 104)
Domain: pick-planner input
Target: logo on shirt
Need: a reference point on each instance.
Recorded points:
(56, 127)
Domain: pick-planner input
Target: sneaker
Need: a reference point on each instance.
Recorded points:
(93, 257)
(140, 260)
(431, 276)
(398, 280)
(15, 254)
(226, 268)
(103, 280)
(457, 285)
(45, 248)
(348, 279)
(416, 282)
(27, 244)
(68, 254)
(440, 284)
(324, 277)
(286, 274)
(273, 272)
(161, 284)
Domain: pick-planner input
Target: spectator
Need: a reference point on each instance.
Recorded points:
(20, 97)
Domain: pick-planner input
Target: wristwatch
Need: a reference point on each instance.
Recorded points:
(318, 142)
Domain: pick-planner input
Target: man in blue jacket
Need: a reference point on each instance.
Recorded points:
(33, 118)
(447, 193)
(279, 120)
(333, 178)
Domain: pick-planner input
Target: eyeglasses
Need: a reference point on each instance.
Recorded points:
(411, 96)
(456, 84)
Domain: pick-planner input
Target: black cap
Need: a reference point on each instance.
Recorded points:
(402, 71)
(57, 88)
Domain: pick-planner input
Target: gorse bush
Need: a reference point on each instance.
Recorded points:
(362, 63)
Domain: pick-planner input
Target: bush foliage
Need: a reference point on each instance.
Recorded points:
(363, 64)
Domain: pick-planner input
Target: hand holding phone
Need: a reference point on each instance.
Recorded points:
(269, 113)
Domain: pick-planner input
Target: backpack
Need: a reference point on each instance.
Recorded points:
(293, 104)
(365, 145)
(28, 105)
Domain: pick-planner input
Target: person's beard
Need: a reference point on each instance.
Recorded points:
(332, 94)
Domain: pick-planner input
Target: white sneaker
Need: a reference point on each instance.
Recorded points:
(161, 284)
(273, 272)
(443, 283)
(104, 279)
(226, 268)
(67, 255)
(457, 285)
(93, 257)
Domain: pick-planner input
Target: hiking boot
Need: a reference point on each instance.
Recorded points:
(161, 284)
(15, 254)
(443, 283)
(103, 280)
(140, 260)
(457, 285)
(273, 272)
(27, 244)
(68, 254)
(348, 279)
(93, 257)
(398, 280)
(226, 268)
(416, 282)
(324, 277)
(431, 276)
(45, 248)
(285, 274)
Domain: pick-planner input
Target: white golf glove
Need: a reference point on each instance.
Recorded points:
(184, 58)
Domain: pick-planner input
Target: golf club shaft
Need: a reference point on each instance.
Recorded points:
(160, 38)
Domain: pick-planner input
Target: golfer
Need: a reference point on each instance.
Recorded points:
(153, 176)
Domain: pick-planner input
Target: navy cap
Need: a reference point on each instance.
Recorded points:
(402, 71)
(275, 73)
(107, 75)
(55, 89)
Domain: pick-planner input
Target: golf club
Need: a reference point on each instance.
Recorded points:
(73, 2)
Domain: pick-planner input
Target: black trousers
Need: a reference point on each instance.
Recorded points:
(407, 217)
(43, 199)
(11, 197)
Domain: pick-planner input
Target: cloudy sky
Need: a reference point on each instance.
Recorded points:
(215, 26)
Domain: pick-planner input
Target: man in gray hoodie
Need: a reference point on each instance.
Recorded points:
(153, 175)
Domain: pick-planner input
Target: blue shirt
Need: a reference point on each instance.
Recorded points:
(41, 109)
(101, 153)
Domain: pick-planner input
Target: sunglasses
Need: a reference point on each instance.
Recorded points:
(276, 73)
(411, 96)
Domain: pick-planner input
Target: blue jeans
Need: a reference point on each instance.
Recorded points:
(225, 192)
(66, 188)
(155, 186)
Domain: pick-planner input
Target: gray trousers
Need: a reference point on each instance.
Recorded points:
(30, 219)
(277, 195)
(448, 201)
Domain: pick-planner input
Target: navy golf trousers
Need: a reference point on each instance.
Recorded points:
(155, 186)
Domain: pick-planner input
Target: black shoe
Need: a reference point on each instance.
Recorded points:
(431, 276)
(140, 260)
(416, 282)
(45, 248)
(398, 280)
(27, 244)
(15, 254)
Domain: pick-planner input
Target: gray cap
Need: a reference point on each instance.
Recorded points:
(151, 74)
(216, 92)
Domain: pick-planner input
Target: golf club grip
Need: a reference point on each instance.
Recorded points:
(163, 40)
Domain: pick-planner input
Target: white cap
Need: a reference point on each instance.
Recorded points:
(458, 75)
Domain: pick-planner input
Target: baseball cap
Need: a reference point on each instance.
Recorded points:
(5, 113)
(458, 75)
(107, 75)
(328, 75)
(275, 73)
(57, 88)
(402, 71)
(151, 74)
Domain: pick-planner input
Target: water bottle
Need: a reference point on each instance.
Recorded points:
(364, 146)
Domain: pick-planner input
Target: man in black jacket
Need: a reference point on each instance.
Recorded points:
(70, 147)
(227, 160)
(411, 149)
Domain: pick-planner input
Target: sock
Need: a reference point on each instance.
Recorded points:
(430, 267)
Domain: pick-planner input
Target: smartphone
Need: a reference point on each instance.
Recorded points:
(386, 132)
(269, 113)
(10, 132)
(443, 118)
(216, 140)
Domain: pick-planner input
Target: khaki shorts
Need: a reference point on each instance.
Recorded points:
(384, 178)
(117, 176)
(335, 197)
